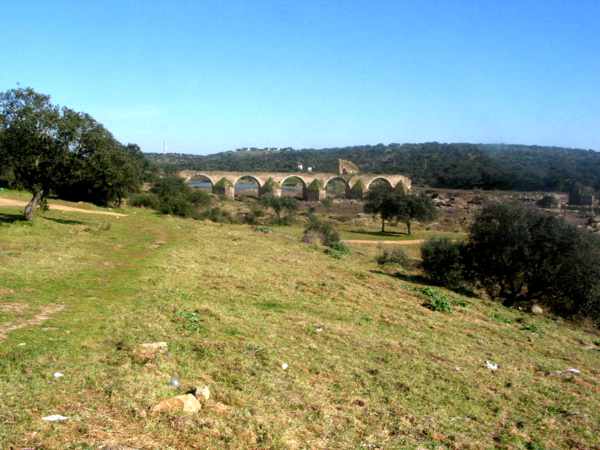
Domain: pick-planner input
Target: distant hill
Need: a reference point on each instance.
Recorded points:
(458, 165)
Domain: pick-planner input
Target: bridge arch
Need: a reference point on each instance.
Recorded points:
(199, 178)
(237, 191)
(378, 180)
(293, 193)
(332, 192)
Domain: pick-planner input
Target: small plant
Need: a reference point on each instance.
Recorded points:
(500, 318)
(338, 250)
(190, 320)
(263, 229)
(530, 327)
(396, 256)
(435, 300)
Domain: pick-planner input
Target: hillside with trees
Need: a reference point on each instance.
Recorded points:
(457, 166)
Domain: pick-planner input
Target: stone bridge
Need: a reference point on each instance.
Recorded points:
(314, 184)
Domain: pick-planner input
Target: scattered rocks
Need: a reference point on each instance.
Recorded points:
(149, 351)
(203, 393)
(537, 309)
(185, 403)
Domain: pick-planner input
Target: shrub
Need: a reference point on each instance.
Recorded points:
(396, 256)
(521, 255)
(146, 200)
(443, 262)
(323, 231)
(338, 250)
(199, 198)
(217, 214)
(435, 300)
(177, 206)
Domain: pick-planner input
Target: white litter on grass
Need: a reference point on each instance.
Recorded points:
(55, 418)
(491, 365)
(284, 366)
(573, 370)
(174, 381)
(58, 375)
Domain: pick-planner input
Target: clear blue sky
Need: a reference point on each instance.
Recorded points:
(210, 75)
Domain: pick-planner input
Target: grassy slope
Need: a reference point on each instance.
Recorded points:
(385, 371)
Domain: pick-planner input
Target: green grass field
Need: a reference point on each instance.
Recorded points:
(369, 365)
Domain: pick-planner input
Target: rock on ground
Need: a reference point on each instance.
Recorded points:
(186, 403)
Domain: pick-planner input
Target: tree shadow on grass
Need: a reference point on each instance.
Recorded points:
(464, 291)
(65, 221)
(379, 233)
(11, 218)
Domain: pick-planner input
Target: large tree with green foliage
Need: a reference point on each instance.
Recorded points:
(49, 149)
(33, 143)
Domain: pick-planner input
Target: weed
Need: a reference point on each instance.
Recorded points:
(190, 320)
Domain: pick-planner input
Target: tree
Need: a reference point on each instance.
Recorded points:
(279, 204)
(412, 207)
(32, 142)
(380, 201)
(57, 150)
(396, 204)
(521, 254)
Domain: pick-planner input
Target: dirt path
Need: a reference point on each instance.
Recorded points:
(22, 204)
(373, 242)
(42, 316)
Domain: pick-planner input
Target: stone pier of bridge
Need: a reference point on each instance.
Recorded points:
(314, 184)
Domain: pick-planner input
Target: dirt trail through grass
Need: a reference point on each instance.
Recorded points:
(45, 313)
(375, 242)
(53, 206)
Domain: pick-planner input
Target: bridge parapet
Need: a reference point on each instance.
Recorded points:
(314, 183)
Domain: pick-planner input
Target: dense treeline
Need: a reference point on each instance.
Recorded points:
(466, 166)
(53, 150)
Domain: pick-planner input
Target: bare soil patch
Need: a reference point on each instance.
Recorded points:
(45, 313)
(22, 204)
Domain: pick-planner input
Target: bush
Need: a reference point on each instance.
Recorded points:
(217, 214)
(146, 200)
(323, 231)
(199, 198)
(177, 206)
(396, 256)
(338, 250)
(435, 300)
(442, 261)
(524, 255)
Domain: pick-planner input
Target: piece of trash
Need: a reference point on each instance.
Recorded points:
(319, 329)
(55, 418)
(573, 370)
(457, 369)
(491, 365)
(284, 366)
(58, 375)
(174, 381)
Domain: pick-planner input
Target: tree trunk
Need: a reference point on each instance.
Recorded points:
(408, 227)
(33, 205)
(382, 225)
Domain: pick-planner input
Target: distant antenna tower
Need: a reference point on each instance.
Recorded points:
(164, 147)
